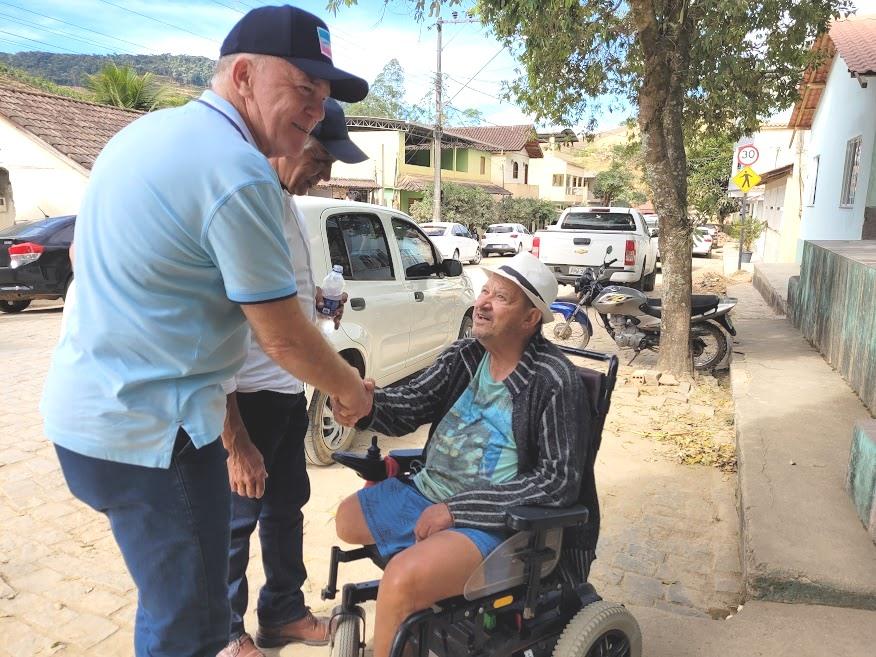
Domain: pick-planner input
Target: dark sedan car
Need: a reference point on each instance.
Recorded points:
(35, 262)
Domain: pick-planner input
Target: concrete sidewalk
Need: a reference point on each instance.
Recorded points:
(802, 541)
(762, 629)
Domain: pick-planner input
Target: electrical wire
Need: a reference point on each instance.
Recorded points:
(157, 20)
(42, 43)
(43, 28)
(489, 61)
(80, 27)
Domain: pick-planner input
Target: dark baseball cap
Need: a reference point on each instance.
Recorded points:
(301, 39)
(332, 133)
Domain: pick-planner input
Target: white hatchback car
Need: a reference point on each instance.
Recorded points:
(453, 240)
(405, 305)
(506, 238)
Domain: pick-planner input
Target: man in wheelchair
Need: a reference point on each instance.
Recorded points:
(507, 411)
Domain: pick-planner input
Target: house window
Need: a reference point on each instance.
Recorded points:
(812, 185)
(850, 174)
(558, 180)
(483, 165)
(2, 204)
(515, 171)
(525, 174)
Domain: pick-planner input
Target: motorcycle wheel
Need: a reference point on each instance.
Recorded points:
(708, 345)
(566, 332)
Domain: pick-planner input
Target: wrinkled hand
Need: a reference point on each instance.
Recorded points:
(347, 415)
(320, 302)
(434, 519)
(246, 469)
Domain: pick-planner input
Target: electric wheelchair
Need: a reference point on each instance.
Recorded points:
(530, 597)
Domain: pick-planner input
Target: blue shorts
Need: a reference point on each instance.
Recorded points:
(392, 508)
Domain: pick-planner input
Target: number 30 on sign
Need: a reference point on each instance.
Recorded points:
(747, 155)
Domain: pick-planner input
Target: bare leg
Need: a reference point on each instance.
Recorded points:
(420, 576)
(350, 522)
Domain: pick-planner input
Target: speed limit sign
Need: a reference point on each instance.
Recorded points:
(747, 155)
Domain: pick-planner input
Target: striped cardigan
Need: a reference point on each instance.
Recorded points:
(550, 415)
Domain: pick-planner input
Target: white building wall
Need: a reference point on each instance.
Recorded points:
(383, 148)
(502, 169)
(43, 182)
(845, 111)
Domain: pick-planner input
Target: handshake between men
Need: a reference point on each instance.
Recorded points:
(347, 414)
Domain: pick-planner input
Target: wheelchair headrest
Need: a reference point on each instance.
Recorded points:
(593, 383)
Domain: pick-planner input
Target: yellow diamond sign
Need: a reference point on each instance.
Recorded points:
(746, 178)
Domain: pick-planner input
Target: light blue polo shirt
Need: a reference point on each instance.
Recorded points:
(181, 222)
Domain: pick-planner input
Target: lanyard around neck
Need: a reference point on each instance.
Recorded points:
(223, 115)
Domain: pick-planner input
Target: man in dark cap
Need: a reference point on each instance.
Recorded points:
(264, 435)
(181, 209)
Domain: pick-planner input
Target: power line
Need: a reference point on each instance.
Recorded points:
(43, 43)
(157, 20)
(45, 29)
(80, 27)
(222, 4)
(489, 61)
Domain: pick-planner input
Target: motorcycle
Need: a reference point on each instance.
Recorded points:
(632, 319)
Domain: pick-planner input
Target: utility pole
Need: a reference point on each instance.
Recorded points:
(439, 119)
(436, 139)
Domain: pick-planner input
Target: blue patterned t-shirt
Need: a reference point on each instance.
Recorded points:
(474, 443)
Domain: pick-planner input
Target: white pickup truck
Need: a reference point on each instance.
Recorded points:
(581, 236)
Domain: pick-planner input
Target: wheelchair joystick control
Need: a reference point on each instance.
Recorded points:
(374, 450)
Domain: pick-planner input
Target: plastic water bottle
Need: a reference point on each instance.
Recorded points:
(332, 292)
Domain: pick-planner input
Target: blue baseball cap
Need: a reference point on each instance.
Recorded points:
(301, 39)
(332, 133)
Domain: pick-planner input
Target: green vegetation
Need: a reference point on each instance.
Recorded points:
(120, 86)
(526, 211)
(71, 70)
(40, 84)
(752, 229)
(464, 204)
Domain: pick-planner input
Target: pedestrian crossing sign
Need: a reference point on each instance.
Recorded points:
(746, 178)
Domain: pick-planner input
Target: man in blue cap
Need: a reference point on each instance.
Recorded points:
(181, 209)
(264, 435)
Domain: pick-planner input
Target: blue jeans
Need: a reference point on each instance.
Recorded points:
(171, 526)
(277, 424)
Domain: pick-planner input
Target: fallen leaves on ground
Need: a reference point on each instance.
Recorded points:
(695, 437)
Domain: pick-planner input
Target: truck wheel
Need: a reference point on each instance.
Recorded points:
(649, 281)
(324, 435)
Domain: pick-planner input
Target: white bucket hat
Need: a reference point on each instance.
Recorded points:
(534, 278)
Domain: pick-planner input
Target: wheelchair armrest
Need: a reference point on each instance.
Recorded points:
(370, 469)
(534, 518)
(406, 457)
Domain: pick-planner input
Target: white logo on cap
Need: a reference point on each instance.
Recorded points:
(325, 41)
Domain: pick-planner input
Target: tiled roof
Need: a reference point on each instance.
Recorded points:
(417, 184)
(74, 128)
(503, 137)
(357, 183)
(812, 85)
(855, 41)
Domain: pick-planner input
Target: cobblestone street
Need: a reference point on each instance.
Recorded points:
(669, 539)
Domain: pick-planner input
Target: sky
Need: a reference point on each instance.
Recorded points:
(364, 39)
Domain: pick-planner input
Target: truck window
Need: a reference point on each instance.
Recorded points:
(599, 221)
(358, 243)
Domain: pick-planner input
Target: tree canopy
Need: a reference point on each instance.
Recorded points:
(464, 204)
(122, 87)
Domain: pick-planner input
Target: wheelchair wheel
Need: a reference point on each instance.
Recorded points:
(601, 629)
(345, 640)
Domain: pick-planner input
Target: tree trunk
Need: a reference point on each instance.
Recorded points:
(665, 49)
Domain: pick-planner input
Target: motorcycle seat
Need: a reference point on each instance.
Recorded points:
(699, 304)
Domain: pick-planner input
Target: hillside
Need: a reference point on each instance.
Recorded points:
(70, 70)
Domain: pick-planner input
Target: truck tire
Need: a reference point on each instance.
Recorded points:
(649, 281)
